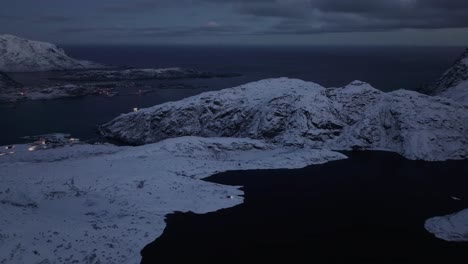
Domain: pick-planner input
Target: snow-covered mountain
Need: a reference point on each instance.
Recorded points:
(454, 82)
(22, 55)
(294, 112)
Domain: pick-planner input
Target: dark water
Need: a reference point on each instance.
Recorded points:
(370, 208)
(387, 68)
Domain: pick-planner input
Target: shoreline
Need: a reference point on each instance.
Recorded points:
(116, 198)
(350, 212)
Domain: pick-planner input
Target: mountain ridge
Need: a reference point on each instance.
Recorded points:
(294, 112)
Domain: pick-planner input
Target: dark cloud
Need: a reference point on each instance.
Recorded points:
(210, 29)
(74, 30)
(137, 6)
(40, 19)
(316, 16)
(142, 6)
(203, 31)
(52, 19)
(7, 17)
(143, 20)
(322, 16)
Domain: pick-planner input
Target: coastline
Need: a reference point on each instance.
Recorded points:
(369, 208)
(116, 198)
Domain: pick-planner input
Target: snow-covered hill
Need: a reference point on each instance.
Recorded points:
(454, 82)
(294, 112)
(22, 55)
(103, 203)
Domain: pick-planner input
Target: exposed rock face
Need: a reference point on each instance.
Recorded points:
(22, 55)
(454, 82)
(415, 125)
(294, 112)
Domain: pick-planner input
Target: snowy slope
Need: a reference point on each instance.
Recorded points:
(22, 55)
(103, 204)
(454, 82)
(295, 112)
(452, 227)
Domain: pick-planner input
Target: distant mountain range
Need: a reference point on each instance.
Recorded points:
(22, 55)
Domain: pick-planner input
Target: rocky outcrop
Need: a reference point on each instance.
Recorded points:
(294, 112)
(22, 55)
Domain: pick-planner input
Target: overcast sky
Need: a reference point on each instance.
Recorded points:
(335, 22)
